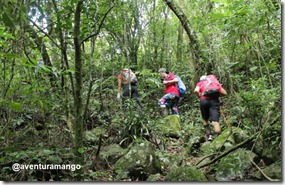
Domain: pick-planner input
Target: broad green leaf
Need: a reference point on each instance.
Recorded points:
(10, 149)
(16, 106)
(80, 150)
(9, 55)
(40, 103)
(7, 20)
(253, 68)
(6, 35)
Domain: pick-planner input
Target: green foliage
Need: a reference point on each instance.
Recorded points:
(236, 164)
(170, 126)
(185, 174)
(240, 42)
(10, 156)
(134, 127)
(269, 142)
(252, 104)
(168, 160)
(16, 106)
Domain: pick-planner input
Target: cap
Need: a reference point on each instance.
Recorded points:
(203, 77)
(162, 70)
(127, 69)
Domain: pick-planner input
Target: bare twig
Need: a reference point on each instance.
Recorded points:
(100, 26)
(262, 172)
(42, 31)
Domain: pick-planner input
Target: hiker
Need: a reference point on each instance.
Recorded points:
(171, 98)
(210, 104)
(128, 80)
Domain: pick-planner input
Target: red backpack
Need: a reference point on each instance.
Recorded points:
(212, 87)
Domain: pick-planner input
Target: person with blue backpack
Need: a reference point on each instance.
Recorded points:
(181, 87)
(171, 98)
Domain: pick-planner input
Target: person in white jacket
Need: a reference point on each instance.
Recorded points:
(128, 82)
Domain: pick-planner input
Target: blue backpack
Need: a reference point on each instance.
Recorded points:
(181, 86)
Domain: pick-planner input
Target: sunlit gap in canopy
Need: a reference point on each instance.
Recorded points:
(38, 19)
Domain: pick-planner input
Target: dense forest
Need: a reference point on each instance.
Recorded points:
(60, 118)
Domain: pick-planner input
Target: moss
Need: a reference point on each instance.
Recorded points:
(185, 174)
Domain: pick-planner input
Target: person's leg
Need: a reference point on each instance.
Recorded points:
(215, 116)
(217, 127)
(162, 105)
(207, 128)
(174, 106)
(165, 103)
(204, 108)
(135, 95)
(125, 95)
(163, 99)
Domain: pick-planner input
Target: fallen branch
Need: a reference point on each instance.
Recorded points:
(262, 172)
(204, 158)
(228, 151)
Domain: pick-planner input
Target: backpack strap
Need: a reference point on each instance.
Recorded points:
(209, 82)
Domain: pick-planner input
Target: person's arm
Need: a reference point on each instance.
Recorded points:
(197, 91)
(174, 80)
(223, 92)
(119, 86)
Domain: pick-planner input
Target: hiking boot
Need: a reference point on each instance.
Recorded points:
(162, 105)
(163, 110)
(210, 138)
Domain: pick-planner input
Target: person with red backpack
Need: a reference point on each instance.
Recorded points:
(128, 80)
(208, 89)
(171, 98)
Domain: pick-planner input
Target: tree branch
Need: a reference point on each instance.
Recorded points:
(262, 172)
(205, 157)
(100, 26)
(42, 31)
(186, 25)
(228, 151)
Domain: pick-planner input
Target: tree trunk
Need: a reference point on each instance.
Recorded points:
(64, 66)
(198, 58)
(179, 44)
(163, 62)
(78, 125)
(63, 49)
